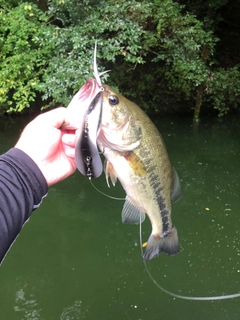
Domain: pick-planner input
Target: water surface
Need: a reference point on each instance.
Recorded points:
(75, 260)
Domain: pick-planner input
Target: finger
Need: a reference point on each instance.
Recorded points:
(69, 139)
(54, 118)
(70, 152)
(68, 131)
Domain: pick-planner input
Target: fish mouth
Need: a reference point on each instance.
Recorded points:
(79, 106)
(89, 90)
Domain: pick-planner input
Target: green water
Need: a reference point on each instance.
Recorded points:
(75, 260)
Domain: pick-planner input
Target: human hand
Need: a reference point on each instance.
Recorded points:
(52, 149)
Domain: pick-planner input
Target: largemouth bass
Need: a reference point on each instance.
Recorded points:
(136, 155)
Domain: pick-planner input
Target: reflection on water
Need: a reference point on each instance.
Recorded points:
(73, 312)
(75, 260)
(26, 305)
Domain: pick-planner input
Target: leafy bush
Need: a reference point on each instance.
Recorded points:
(25, 51)
(74, 40)
(141, 42)
(223, 89)
(157, 51)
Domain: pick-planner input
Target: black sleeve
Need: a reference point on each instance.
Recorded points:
(22, 188)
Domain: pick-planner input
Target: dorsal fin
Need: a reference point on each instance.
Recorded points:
(176, 193)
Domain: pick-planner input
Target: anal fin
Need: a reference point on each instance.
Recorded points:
(131, 213)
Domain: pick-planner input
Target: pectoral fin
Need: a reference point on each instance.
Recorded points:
(110, 172)
(131, 214)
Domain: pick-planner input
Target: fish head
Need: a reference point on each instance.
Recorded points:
(120, 128)
(116, 110)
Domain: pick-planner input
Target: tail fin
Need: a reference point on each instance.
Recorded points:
(168, 244)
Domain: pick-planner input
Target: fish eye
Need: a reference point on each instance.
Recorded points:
(113, 100)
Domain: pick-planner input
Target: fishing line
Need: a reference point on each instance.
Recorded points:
(106, 195)
(175, 295)
(95, 69)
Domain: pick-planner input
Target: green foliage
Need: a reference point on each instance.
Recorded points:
(71, 65)
(24, 53)
(171, 46)
(159, 52)
(223, 90)
(130, 34)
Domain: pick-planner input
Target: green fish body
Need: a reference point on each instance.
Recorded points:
(136, 155)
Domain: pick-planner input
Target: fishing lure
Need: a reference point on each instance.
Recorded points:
(87, 157)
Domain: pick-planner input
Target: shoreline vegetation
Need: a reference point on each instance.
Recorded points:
(169, 57)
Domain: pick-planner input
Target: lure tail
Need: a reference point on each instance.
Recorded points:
(95, 69)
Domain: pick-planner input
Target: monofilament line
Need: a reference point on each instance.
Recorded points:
(223, 297)
(175, 295)
(106, 195)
